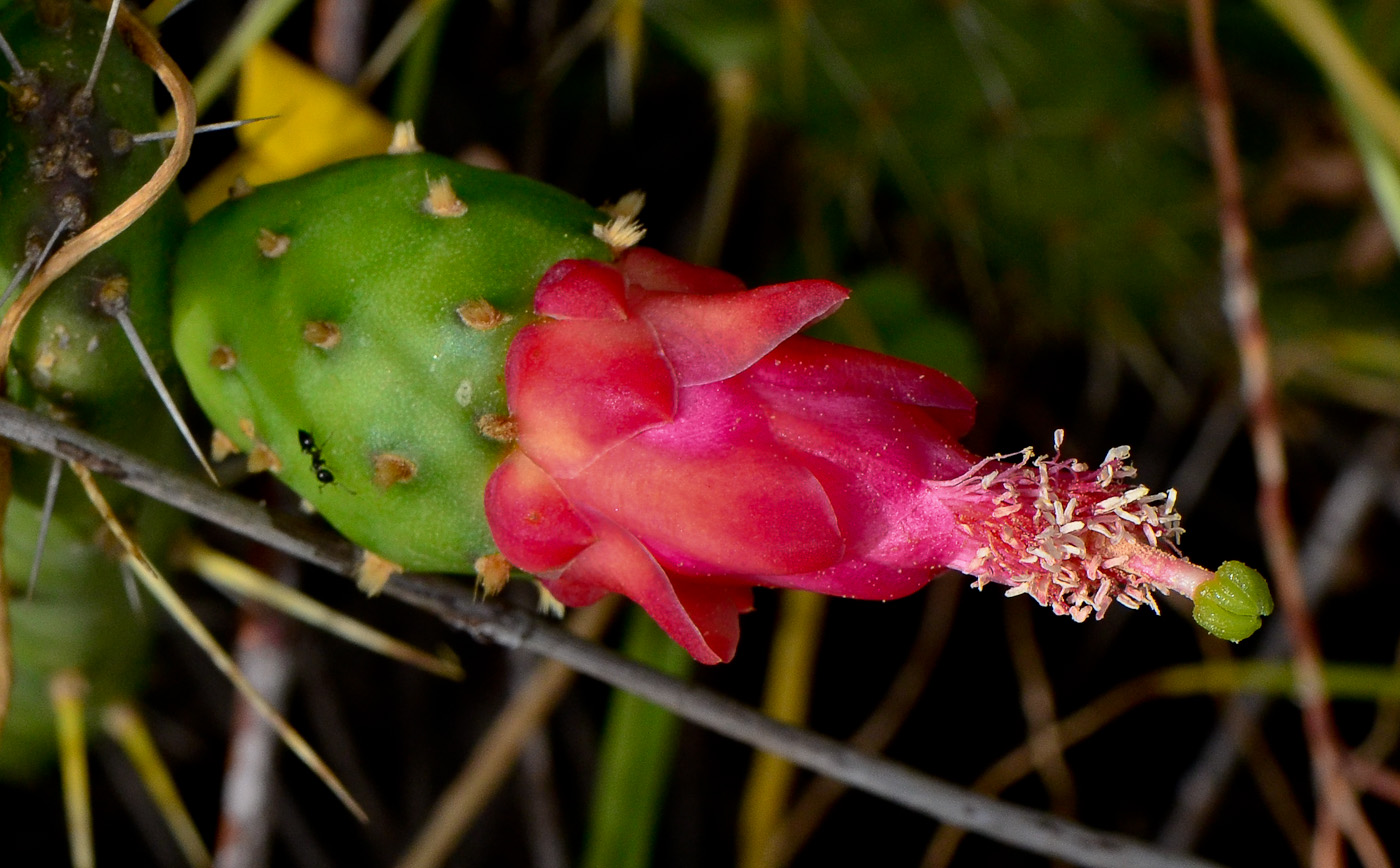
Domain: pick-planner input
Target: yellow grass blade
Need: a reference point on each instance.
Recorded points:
(123, 723)
(67, 690)
(159, 588)
(246, 581)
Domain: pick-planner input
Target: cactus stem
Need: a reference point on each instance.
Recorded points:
(464, 393)
(246, 426)
(5, 49)
(222, 446)
(271, 244)
(240, 188)
(442, 200)
(499, 428)
(405, 139)
(84, 96)
(492, 573)
(223, 358)
(481, 315)
(114, 299)
(33, 262)
(45, 518)
(321, 333)
(390, 469)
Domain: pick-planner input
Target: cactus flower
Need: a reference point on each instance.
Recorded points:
(678, 443)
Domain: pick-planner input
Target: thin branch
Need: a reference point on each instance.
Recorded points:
(1336, 799)
(491, 622)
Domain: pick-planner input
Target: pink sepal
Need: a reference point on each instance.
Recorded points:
(656, 272)
(531, 520)
(713, 337)
(702, 619)
(582, 289)
(577, 388)
(810, 365)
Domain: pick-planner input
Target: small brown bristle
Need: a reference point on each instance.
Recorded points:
(43, 366)
(246, 426)
(271, 244)
(263, 458)
(120, 141)
(390, 469)
(240, 188)
(114, 295)
(442, 200)
(464, 392)
(481, 315)
(223, 358)
(321, 333)
(24, 98)
(72, 209)
(374, 573)
(499, 428)
(405, 140)
(222, 446)
(492, 573)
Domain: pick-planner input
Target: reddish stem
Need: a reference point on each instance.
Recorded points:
(1338, 805)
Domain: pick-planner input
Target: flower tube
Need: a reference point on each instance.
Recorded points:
(677, 442)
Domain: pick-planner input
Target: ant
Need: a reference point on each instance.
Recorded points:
(318, 464)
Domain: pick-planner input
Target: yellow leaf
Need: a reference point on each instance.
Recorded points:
(319, 121)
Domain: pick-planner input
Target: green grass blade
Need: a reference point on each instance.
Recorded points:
(634, 765)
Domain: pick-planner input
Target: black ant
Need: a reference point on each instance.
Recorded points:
(318, 464)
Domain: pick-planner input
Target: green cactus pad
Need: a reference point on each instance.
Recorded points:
(348, 329)
(78, 618)
(1231, 605)
(65, 157)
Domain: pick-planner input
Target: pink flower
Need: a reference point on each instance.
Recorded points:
(679, 444)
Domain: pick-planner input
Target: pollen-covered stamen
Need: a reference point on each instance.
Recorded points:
(1076, 540)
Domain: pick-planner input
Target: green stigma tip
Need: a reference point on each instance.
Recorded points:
(1231, 604)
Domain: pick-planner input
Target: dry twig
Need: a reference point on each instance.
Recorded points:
(1337, 801)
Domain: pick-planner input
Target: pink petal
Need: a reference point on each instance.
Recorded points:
(577, 388)
(533, 524)
(711, 493)
(581, 289)
(711, 337)
(657, 272)
(860, 580)
(702, 620)
(808, 365)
